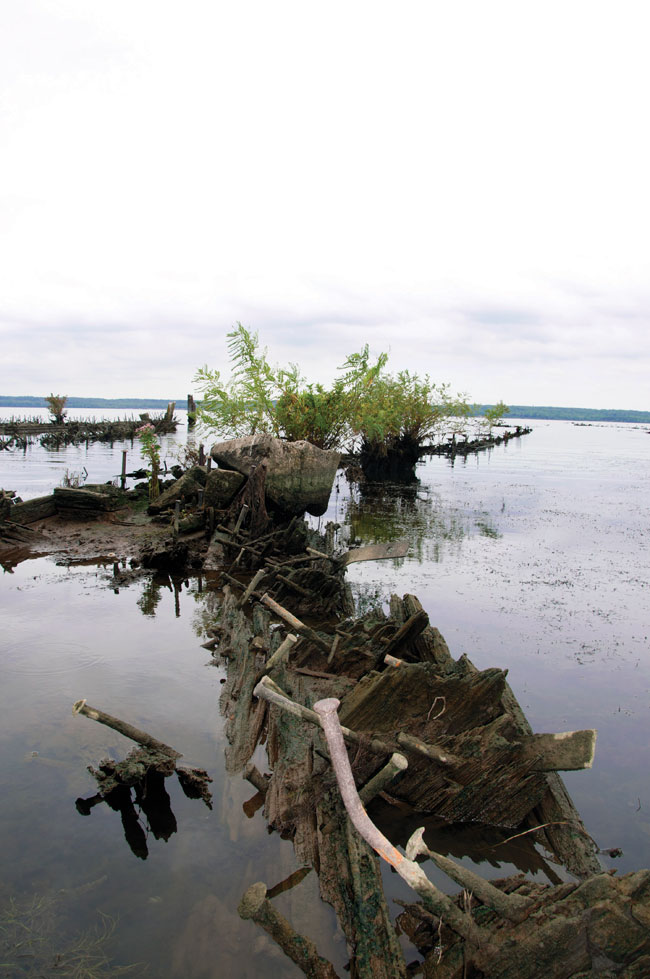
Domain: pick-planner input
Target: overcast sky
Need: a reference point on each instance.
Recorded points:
(464, 184)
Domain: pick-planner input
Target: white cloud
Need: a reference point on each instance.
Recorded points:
(463, 183)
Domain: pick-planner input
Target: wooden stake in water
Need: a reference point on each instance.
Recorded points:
(123, 477)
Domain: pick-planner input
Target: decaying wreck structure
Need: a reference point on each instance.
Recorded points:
(364, 714)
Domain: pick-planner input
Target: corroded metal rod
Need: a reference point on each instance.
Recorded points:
(411, 872)
(256, 906)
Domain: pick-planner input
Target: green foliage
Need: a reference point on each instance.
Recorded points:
(388, 415)
(408, 410)
(494, 414)
(55, 405)
(244, 405)
(150, 451)
(313, 414)
(260, 398)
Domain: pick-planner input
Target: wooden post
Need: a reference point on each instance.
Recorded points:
(191, 411)
(177, 517)
(123, 477)
(201, 455)
(255, 905)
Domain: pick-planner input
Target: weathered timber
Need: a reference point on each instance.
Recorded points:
(255, 905)
(31, 510)
(407, 632)
(295, 623)
(70, 500)
(569, 751)
(301, 805)
(511, 906)
(375, 552)
(123, 727)
(596, 928)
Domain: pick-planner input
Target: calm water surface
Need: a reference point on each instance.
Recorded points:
(533, 557)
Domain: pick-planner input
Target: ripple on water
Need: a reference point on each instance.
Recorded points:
(35, 657)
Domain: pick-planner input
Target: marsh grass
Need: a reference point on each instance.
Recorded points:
(33, 944)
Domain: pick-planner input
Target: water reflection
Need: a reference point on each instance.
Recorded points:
(147, 812)
(433, 526)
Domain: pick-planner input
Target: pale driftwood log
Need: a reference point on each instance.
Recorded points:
(411, 872)
(514, 907)
(252, 586)
(280, 655)
(431, 751)
(255, 906)
(240, 518)
(134, 733)
(319, 554)
(396, 763)
(270, 691)
(295, 623)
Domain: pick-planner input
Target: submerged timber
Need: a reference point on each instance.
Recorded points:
(18, 434)
(369, 722)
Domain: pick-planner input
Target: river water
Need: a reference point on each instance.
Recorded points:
(533, 556)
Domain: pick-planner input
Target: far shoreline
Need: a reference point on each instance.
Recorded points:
(541, 413)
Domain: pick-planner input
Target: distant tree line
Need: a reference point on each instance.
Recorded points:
(578, 414)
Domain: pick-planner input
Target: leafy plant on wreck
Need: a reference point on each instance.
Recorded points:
(261, 398)
(387, 418)
(397, 416)
(56, 406)
(150, 451)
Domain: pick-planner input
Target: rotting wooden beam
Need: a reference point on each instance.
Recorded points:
(134, 733)
(569, 751)
(294, 622)
(514, 907)
(409, 631)
(256, 906)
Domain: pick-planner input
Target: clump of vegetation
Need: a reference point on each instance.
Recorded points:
(494, 415)
(31, 943)
(150, 451)
(73, 479)
(386, 418)
(56, 406)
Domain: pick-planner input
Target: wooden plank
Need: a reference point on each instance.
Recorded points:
(376, 552)
(570, 751)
